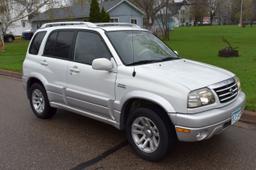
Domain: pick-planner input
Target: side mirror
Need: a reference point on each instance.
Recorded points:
(176, 52)
(102, 64)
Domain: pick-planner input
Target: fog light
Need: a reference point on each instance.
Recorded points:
(201, 136)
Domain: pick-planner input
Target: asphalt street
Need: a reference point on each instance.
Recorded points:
(70, 141)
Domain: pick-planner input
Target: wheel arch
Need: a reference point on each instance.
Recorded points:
(31, 81)
(147, 99)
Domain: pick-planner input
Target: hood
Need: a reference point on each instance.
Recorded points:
(193, 75)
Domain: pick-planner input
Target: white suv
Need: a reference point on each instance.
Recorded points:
(123, 75)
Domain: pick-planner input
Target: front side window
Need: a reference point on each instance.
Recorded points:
(59, 44)
(140, 47)
(90, 46)
(36, 43)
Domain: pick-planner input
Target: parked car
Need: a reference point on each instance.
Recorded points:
(9, 38)
(123, 75)
(27, 35)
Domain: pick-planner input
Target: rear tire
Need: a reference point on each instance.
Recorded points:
(39, 102)
(150, 134)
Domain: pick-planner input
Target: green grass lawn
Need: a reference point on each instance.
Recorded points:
(13, 55)
(196, 43)
(202, 44)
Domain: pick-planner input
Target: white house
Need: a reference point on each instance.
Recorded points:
(16, 28)
(19, 26)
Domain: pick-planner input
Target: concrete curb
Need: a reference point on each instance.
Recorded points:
(248, 116)
(10, 74)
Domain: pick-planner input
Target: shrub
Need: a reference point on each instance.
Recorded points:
(94, 11)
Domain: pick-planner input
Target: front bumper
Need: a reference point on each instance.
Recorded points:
(206, 124)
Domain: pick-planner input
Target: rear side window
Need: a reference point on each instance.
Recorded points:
(90, 46)
(59, 44)
(49, 49)
(36, 43)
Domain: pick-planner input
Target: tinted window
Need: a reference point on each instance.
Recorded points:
(50, 45)
(59, 44)
(36, 43)
(90, 46)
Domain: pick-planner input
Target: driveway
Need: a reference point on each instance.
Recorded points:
(70, 141)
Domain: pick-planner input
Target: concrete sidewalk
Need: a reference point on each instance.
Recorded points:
(248, 116)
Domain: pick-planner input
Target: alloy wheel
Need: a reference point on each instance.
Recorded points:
(145, 134)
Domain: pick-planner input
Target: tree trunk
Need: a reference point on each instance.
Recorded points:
(1, 44)
(211, 18)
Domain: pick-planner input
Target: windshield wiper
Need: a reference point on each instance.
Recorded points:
(143, 62)
(169, 59)
(152, 61)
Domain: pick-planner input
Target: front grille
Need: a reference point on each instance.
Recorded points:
(227, 92)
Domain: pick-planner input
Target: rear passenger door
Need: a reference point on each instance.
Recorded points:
(90, 90)
(57, 53)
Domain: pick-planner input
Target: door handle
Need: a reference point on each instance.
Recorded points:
(74, 70)
(44, 63)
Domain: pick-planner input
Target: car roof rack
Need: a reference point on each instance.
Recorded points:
(89, 24)
(111, 24)
(54, 24)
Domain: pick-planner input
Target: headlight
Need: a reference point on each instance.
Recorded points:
(200, 98)
(238, 83)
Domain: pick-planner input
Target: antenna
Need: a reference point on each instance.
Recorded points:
(134, 71)
(133, 59)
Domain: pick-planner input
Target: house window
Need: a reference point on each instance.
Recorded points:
(23, 23)
(134, 21)
(114, 19)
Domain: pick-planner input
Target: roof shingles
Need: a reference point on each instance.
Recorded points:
(77, 11)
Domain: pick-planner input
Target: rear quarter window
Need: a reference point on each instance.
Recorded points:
(36, 43)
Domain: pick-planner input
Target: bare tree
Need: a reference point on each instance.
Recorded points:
(151, 9)
(254, 9)
(243, 11)
(212, 5)
(249, 12)
(199, 9)
(224, 11)
(15, 10)
(158, 11)
(164, 16)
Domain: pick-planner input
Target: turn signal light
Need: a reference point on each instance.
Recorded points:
(182, 130)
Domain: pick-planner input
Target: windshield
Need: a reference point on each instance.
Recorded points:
(140, 47)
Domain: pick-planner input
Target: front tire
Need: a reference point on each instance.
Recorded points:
(39, 102)
(150, 134)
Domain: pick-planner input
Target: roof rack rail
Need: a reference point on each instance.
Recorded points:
(54, 24)
(109, 24)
